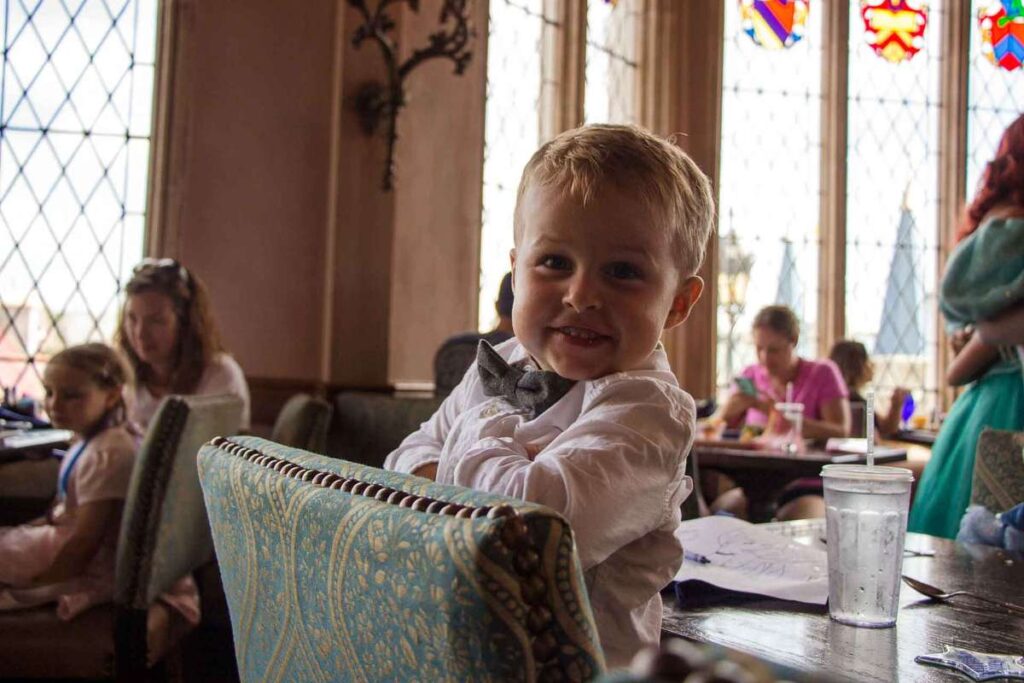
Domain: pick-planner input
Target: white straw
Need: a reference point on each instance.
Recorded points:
(789, 392)
(869, 426)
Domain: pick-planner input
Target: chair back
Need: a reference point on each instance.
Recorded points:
(165, 533)
(858, 410)
(302, 423)
(998, 470)
(367, 426)
(336, 571)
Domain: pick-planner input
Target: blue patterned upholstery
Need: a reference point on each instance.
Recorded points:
(336, 571)
(998, 470)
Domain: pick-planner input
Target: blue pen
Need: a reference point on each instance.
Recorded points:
(695, 557)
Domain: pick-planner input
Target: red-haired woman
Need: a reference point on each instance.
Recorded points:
(984, 277)
(168, 334)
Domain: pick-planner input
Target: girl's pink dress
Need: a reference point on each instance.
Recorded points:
(102, 472)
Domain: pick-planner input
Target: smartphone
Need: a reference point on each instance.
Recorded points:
(746, 385)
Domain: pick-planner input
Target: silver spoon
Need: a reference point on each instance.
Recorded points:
(938, 594)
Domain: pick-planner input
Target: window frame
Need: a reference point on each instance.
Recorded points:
(680, 90)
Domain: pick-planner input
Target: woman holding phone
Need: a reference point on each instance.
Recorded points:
(818, 385)
(780, 375)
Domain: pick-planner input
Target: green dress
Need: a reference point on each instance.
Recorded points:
(985, 274)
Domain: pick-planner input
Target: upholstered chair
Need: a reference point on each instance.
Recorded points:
(303, 423)
(367, 426)
(336, 571)
(164, 536)
(998, 470)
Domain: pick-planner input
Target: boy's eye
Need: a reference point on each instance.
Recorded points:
(555, 262)
(623, 271)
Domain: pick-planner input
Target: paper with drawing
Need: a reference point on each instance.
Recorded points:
(745, 558)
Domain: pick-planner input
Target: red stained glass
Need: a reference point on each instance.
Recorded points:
(1002, 33)
(894, 28)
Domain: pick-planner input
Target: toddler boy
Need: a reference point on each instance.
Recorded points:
(580, 411)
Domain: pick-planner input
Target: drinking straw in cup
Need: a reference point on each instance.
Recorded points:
(865, 527)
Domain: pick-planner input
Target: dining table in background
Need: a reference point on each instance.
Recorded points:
(28, 473)
(804, 638)
(763, 473)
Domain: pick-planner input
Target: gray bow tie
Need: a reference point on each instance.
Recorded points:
(535, 390)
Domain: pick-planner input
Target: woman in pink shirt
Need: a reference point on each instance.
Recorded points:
(818, 385)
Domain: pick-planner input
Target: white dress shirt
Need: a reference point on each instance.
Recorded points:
(609, 456)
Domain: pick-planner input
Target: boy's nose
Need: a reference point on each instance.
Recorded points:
(582, 293)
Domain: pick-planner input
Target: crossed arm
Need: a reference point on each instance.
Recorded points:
(1006, 328)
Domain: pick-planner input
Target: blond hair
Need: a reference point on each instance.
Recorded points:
(652, 169)
(105, 367)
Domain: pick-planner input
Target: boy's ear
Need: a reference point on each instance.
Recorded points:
(688, 294)
(512, 261)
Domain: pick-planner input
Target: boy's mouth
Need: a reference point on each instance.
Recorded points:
(580, 336)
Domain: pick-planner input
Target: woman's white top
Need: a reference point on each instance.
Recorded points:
(223, 375)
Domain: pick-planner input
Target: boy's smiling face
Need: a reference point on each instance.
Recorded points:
(596, 284)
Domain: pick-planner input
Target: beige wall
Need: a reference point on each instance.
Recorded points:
(267, 188)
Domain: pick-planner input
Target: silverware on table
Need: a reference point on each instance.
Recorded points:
(938, 594)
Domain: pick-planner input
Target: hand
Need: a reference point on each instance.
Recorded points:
(428, 471)
(763, 402)
(959, 339)
(899, 395)
(777, 424)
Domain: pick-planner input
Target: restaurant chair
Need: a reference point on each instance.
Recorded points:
(367, 425)
(303, 423)
(164, 536)
(695, 505)
(857, 413)
(998, 470)
(335, 571)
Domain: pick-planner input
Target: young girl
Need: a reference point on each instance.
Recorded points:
(68, 556)
(857, 369)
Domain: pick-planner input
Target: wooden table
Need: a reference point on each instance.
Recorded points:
(804, 638)
(764, 473)
(28, 475)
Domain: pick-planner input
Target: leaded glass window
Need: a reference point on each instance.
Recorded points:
(512, 132)
(769, 186)
(518, 46)
(75, 105)
(996, 98)
(612, 61)
(892, 208)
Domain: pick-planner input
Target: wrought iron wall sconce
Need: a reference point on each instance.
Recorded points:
(379, 103)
